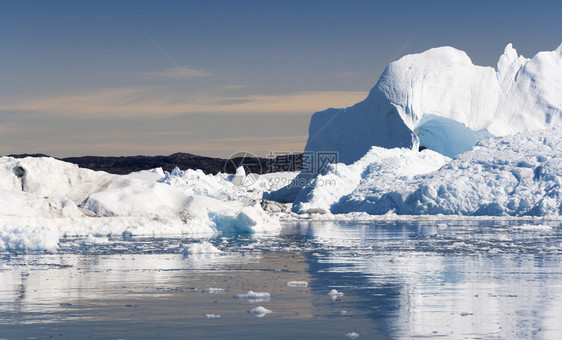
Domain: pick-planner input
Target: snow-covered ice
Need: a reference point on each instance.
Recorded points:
(297, 284)
(516, 175)
(42, 199)
(386, 167)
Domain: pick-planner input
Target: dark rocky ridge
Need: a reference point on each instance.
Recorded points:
(122, 165)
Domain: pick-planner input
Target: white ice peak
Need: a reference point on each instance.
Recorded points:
(442, 98)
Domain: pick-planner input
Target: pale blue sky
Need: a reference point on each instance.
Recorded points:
(82, 77)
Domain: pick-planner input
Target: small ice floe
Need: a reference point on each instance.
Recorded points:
(542, 228)
(343, 312)
(494, 251)
(200, 249)
(334, 294)
(441, 225)
(254, 297)
(17, 238)
(259, 312)
(211, 290)
(93, 240)
(398, 259)
(212, 316)
(352, 335)
(297, 284)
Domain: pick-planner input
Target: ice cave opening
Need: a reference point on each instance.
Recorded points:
(447, 136)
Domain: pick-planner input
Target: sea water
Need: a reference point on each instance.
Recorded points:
(317, 280)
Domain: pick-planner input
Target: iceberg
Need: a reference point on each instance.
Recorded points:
(395, 147)
(42, 199)
(439, 100)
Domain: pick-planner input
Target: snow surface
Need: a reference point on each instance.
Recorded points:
(440, 100)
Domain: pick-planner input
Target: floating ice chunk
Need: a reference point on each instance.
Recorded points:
(213, 316)
(203, 248)
(215, 290)
(334, 294)
(92, 240)
(398, 259)
(352, 335)
(534, 227)
(297, 284)
(259, 312)
(254, 297)
(15, 238)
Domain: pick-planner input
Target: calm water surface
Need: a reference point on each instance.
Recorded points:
(447, 279)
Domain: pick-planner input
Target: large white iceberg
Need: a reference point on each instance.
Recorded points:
(439, 100)
(442, 101)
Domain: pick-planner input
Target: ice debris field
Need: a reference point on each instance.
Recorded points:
(489, 139)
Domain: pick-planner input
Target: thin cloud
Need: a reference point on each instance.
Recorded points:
(176, 73)
(156, 102)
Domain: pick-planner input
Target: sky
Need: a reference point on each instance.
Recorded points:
(218, 77)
